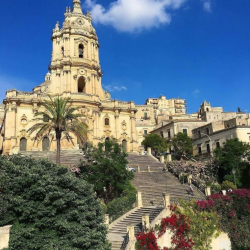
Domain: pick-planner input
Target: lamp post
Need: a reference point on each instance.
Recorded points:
(234, 172)
(210, 143)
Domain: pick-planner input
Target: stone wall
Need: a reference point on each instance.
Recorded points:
(4, 236)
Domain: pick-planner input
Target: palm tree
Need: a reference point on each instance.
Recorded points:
(61, 118)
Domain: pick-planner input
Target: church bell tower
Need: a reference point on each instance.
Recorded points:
(75, 65)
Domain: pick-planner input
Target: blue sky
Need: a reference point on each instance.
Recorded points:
(192, 49)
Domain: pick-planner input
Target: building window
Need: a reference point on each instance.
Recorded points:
(62, 51)
(207, 131)
(145, 114)
(199, 133)
(184, 131)
(208, 149)
(106, 121)
(199, 150)
(81, 85)
(145, 132)
(161, 134)
(217, 144)
(169, 134)
(80, 51)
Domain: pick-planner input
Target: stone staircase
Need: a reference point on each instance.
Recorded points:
(68, 157)
(118, 229)
(143, 161)
(152, 185)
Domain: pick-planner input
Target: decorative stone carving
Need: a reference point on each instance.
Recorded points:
(23, 133)
(24, 120)
(80, 21)
(74, 77)
(107, 95)
(124, 125)
(82, 71)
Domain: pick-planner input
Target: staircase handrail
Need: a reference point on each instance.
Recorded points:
(198, 190)
(156, 211)
(125, 241)
(138, 228)
(174, 201)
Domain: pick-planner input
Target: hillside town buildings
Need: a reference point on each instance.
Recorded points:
(75, 72)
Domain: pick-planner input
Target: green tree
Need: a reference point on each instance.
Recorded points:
(61, 118)
(182, 146)
(234, 154)
(204, 224)
(49, 207)
(105, 168)
(156, 143)
(122, 204)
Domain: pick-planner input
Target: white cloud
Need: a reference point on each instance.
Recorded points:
(133, 15)
(196, 92)
(207, 5)
(111, 88)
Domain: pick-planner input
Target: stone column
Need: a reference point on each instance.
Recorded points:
(131, 231)
(92, 51)
(139, 199)
(169, 157)
(208, 191)
(142, 151)
(10, 128)
(166, 198)
(133, 129)
(117, 127)
(107, 220)
(162, 158)
(93, 83)
(149, 151)
(145, 221)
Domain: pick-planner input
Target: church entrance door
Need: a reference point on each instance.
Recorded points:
(124, 145)
(23, 144)
(45, 144)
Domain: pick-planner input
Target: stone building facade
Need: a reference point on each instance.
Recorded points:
(75, 72)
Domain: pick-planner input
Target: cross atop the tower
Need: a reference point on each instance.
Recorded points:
(77, 7)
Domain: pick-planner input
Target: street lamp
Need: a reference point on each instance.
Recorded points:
(234, 172)
(210, 143)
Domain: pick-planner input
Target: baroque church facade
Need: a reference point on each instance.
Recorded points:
(75, 72)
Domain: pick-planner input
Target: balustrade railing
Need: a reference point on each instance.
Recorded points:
(125, 241)
(156, 211)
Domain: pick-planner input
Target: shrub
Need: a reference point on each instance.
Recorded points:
(234, 215)
(49, 207)
(227, 184)
(215, 188)
(201, 172)
(123, 204)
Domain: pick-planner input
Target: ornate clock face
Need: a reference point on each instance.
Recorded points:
(80, 21)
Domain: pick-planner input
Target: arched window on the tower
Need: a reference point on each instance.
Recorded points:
(81, 85)
(80, 48)
(106, 121)
(62, 52)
